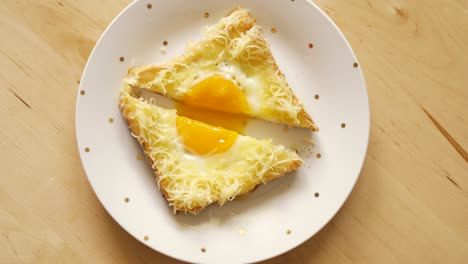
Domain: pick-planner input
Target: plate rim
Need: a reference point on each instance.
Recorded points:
(255, 259)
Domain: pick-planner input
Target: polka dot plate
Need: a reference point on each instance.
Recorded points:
(324, 73)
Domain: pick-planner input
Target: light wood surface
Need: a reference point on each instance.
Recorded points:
(410, 204)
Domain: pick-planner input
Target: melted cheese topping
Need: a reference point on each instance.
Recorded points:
(233, 50)
(191, 181)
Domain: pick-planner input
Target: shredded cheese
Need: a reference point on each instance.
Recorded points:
(235, 40)
(192, 182)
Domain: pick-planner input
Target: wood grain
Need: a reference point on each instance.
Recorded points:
(409, 206)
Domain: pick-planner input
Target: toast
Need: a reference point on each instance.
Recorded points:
(231, 69)
(198, 164)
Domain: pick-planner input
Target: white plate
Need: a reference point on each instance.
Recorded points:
(289, 203)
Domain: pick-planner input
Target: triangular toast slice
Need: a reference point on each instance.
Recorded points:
(197, 164)
(232, 70)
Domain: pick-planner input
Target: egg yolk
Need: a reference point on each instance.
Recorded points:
(234, 122)
(217, 93)
(204, 139)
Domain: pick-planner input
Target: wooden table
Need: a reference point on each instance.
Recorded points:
(410, 204)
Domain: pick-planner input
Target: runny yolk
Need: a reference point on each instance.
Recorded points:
(204, 139)
(234, 122)
(217, 93)
(216, 101)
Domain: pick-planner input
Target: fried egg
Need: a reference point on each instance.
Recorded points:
(231, 70)
(199, 164)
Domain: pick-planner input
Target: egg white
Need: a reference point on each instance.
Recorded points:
(250, 85)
